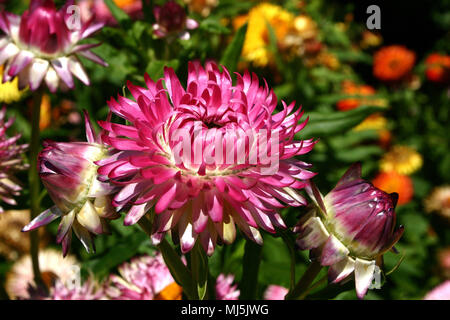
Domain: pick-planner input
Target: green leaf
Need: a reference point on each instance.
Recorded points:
(273, 47)
(119, 253)
(200, 272)
(358, 153)
(233, 52)
(120, 15)
(21, 124)
(178, 270)
(214, 26)
(155, 68)
(326, 124)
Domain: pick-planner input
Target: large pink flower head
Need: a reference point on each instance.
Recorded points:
(350, 228)
(206, 157)
(11, 161)
(43, 44)
(83, 202)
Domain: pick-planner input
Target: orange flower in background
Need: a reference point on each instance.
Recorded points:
(46, 112)
(392, 63)
(394, 182)
(385, 138)
(362, 95)
(438, 68)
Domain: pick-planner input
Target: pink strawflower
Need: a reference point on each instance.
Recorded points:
(274, 292)
(43, 45)
(10, 161)
(225, 290)
(441, 292)
(89, 290)
(206, 157)
(143, 278)
(99, 11)
(171, 20)
(83, 203)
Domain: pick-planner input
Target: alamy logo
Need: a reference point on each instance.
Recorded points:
(376, 279)
(74, 281)
(73, 21)
(374, 20)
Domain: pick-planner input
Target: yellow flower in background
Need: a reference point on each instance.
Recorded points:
(439, 201)
(305, 26)
(401, 159)
(9, 91)
(257, 37)
(14, 242)
(370, 39)
(373, 122)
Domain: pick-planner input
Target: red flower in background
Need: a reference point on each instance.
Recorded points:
(438, 68)
(351, 88)
(393, 63)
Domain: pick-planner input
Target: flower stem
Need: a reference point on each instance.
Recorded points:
(250, 265)
(173, 261)
(290, 244)
(34, 183)
(304, 283)
(314, 286)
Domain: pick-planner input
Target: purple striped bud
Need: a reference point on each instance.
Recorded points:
(69, 173)
(350, 228)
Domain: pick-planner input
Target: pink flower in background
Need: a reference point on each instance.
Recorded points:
(274, 292)
(11, 161)
(148, 278)
(99, 11)
(441, 292)
(89, 290)
(43, 45)
(193, 194)
(143, 278)
(171, 19)
(350, 228)
(225, 290)
(83, 203)
(20, 281)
